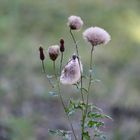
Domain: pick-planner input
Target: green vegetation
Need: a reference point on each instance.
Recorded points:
(26, 109)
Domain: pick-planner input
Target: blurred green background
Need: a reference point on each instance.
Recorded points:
(26, 109)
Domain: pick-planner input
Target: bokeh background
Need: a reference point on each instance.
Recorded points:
(26, 108)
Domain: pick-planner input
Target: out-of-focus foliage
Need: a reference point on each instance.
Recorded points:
(26, 110)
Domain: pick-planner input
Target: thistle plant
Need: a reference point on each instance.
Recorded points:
(72, 74)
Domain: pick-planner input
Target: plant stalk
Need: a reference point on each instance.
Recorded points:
(77, 52)
(44, 70)
(89, 85)
(62, 101)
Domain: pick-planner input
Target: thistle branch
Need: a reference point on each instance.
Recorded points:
(77, 52)
(62, 101)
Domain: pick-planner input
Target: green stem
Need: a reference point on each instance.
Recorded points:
(61, 62)
(77, 52)
(89, 85)
(90, 74)
(61, 99)
(81, 80)
(43, 66)
(44, 70)
(83, 125)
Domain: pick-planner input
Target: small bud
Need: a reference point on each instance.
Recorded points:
(62, 48)
(53, 52)
(42, 56)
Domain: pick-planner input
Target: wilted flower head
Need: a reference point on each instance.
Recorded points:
(96, 36)
(71, 72)
(53, 52)
(75, 22)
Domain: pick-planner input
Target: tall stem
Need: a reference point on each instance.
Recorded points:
(61, 99)
(81, 81)
(89, 85)
(77, 52)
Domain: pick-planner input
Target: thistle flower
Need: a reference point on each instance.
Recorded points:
(96, 36)
(71, 73)
(53, 52)
(75, 22)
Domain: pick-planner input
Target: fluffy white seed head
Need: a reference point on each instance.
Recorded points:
(71, 73)
(96, 36)
(53, 52)
(75, 22)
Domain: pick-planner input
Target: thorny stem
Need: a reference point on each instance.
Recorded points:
(61, 62)
(77, 52)
(44, 70)
(89, 85)
(61, 99)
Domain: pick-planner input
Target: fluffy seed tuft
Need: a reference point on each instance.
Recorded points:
(96, 36)
(75, 22)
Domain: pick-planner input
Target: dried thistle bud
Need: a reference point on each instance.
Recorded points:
(75, 22)
(96, 36)
(42, 56)
(53, 52)
(62, 48)
(71, 73)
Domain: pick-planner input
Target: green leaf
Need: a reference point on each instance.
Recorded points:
(80, 105)
(75, 105)
(86, 135)
(66, 135)
(53, 94)
(96, 115)
(92, 123)
(53, 132)
(71, 108)
(108, 117)
(85, 90)
(93, 107)
(56, 132)
(77, 86)
(99, 134)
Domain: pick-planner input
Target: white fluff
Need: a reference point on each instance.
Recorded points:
(75, 22)
(71, 73)
(96, 36)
